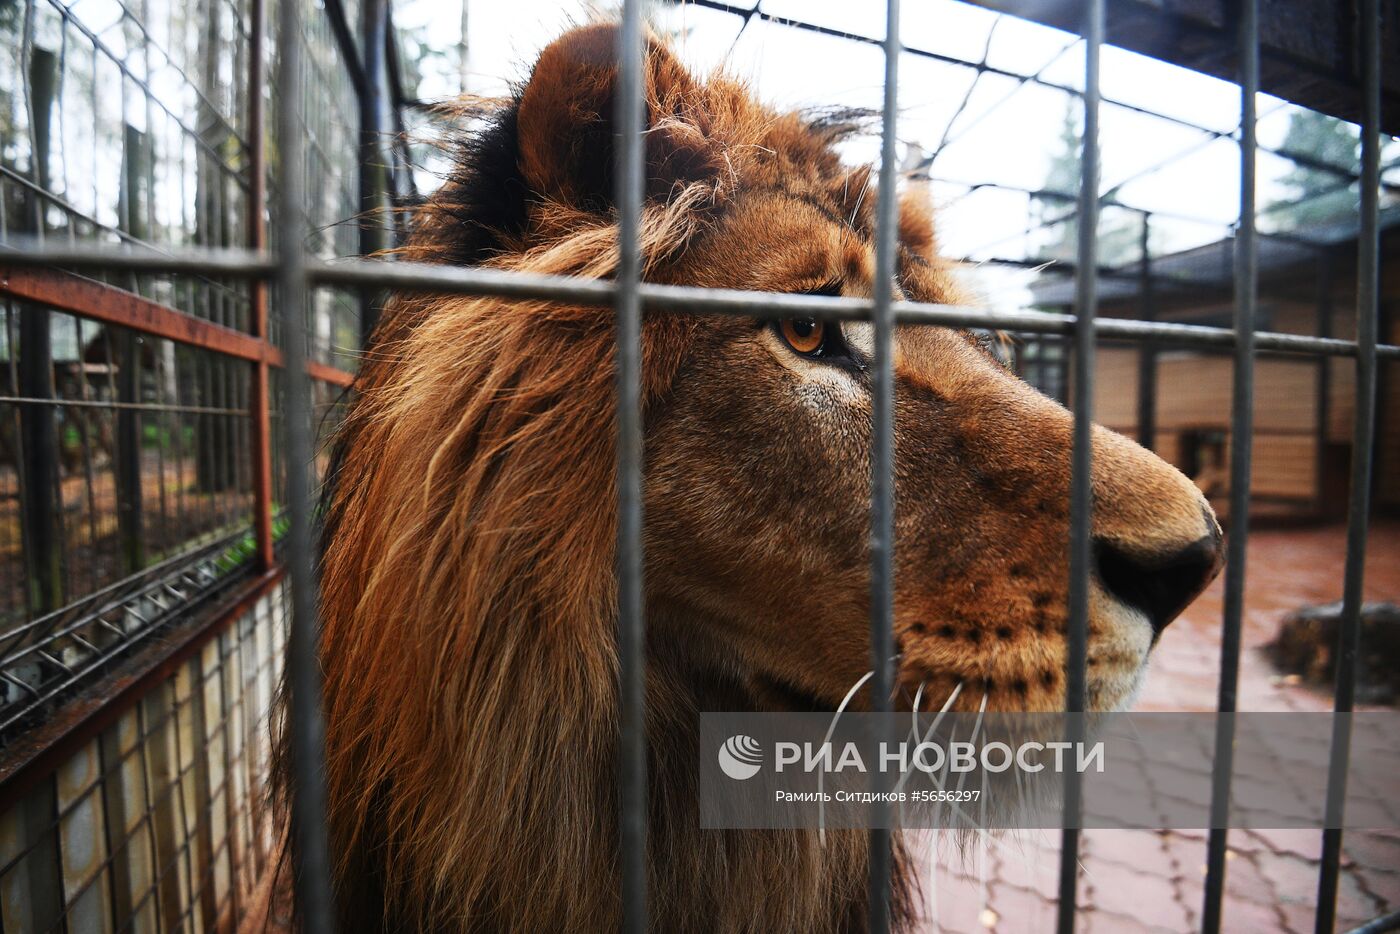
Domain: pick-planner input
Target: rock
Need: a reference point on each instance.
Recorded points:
(1306, 646)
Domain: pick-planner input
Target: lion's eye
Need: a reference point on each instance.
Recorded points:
(804, 335)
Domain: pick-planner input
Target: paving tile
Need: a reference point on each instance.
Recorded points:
(1305, 844)
(1188, 854)
(1043, 877)
(1238, 913)
(1382, 886)
(1373, 849)
(1148, 881)
(1108, 922)
(1120, 890)
(957, 908)
(1142, 850)
(1245, 916)
(1298, 919)
(1295, 881)
(1014, 909)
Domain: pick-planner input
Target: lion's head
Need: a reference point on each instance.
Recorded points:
(468, 591)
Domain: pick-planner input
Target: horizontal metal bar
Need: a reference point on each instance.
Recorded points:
(129, 406)
(70, 626)
(477, 281)
(403, 276)
(230, 262)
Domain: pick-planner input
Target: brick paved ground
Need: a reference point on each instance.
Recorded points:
(1138, 880)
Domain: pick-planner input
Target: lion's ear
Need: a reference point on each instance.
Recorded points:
(916, 223)
(923, 274)
(567, 120)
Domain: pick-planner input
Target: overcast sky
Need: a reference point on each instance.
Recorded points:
(1006, 133)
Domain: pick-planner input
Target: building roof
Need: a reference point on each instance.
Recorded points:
(1207, 267)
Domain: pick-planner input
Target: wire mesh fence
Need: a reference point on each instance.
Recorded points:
(127, 452)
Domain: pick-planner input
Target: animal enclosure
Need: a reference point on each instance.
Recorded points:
(194, 204)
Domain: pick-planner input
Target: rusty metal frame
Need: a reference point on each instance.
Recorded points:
(98, 301)
(106, 303)
(260, 398)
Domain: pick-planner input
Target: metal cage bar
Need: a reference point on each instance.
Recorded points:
(1241, 448)
(407, 277)
(310, 836)
(882, 493)
(1363, 445)
(1081, 480)
(631, 631)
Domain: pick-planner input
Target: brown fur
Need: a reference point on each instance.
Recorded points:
(468, 592)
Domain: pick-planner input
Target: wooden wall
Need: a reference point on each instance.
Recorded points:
(1194, 394)
(1194, 389)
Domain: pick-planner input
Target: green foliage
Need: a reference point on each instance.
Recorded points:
(242, 551)
(1316, 196)
(1120, 232)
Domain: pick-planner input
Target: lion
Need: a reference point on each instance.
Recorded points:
(468, 590)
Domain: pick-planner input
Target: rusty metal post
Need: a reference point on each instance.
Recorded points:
(260, 398)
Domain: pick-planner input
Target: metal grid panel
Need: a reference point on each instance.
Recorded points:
(135, 456)
(158, 823)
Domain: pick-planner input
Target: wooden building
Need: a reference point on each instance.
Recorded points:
(1178, 401)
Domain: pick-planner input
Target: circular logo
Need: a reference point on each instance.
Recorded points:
(740, 757)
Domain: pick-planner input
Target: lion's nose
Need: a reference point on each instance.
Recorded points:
(1160, 585)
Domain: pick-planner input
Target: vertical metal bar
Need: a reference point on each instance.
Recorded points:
(41, 498)
(257, 240)
(1323, 385)
(1080, 502)
(312, 846)
(129, 480)
(1362, 448)
(1147, 353)
(128, 452)
(631, 632)
(882, 461)
(1241, 449)
(371, 169)
(39, 489)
